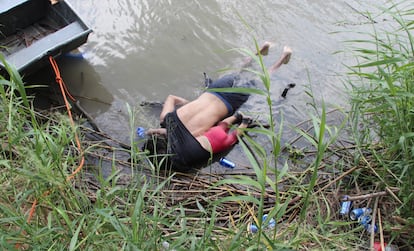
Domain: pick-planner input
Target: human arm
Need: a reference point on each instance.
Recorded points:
(170, 103)
(156, 131)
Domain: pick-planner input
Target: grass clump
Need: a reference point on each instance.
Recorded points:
(383, 103)
(382, 117)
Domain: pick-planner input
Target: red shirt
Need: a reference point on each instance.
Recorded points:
(219, 138)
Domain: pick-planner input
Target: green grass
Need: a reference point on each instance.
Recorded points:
(383, 105)
(382, 91)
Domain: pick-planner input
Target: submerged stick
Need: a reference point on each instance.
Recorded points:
(88, 116)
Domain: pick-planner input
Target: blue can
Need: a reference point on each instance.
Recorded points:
(271, 224)
(370, 227)
(358, 212)
(364, 220)
(141, 132)
(227, 163)
(345, 206)
(252, 228)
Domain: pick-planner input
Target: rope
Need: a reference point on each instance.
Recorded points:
(65, 93)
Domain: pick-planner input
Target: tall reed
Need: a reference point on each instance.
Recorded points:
(383, 100)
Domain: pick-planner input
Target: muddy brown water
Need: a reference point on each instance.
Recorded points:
(143, 50)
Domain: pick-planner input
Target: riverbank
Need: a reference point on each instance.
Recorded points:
(138, 206)
(198, 209)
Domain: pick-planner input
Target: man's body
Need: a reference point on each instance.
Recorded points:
(183, 125)
(198, 115)
(205, 111)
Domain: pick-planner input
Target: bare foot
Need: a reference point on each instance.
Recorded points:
(287, 52)
(265, 49)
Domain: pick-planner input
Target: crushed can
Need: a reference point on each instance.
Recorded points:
(370, 227)
(140, 132)
(252, 228)
(358, 212)
(345, 206)
(227, 163)
(364, 220)
(271, 224)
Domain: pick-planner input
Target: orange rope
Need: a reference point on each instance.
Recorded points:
(65, 93)
(31, 212)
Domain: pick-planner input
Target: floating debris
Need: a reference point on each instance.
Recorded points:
(285, 91)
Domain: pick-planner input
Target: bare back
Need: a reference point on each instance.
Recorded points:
(202, 113)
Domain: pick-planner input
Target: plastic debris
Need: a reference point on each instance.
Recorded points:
(377, 247)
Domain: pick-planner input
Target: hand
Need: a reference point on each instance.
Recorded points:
(247, 120)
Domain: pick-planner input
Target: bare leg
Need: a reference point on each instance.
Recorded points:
(170, 103)
(284, 59)
(264, 50)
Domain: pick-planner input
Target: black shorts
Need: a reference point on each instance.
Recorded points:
(184, 150)
(232, 100)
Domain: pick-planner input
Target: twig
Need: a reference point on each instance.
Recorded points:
(376, 174)
(367, 196)
(359, 12)
(380, 229)
(336, 179)
(393, 194)
(371, 228)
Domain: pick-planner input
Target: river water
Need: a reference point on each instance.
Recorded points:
(143, 50)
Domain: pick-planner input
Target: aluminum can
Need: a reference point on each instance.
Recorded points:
(141, 132)
(252, 228)
(272, 222)
(364, 220)
(358, 212)
(345, 206)
(227, 163)
(368, 228)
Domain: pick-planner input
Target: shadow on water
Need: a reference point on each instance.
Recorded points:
(81, 80)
